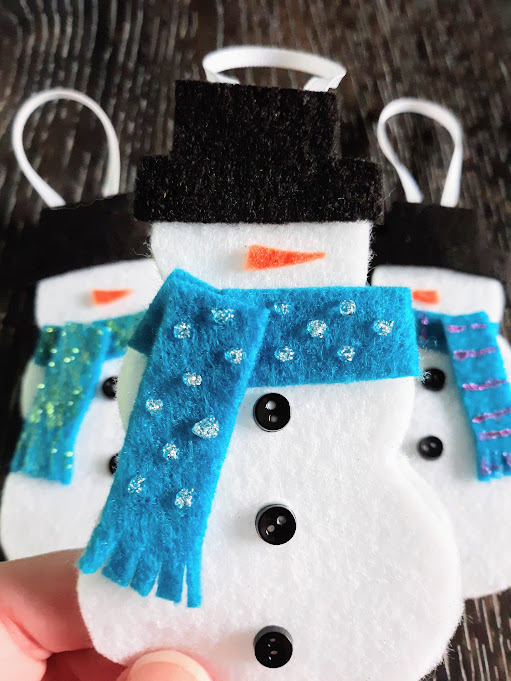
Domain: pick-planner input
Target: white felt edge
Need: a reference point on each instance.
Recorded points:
(130, 375)
(32, 376)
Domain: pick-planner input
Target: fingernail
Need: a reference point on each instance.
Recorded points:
(167, 665)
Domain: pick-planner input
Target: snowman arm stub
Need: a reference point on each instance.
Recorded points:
(32, 377)
(130, 375)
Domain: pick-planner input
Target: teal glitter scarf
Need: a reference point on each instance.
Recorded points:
(204, 348)
(72, 355)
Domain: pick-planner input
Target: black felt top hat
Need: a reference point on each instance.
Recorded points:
(437, 236)
(253, 154)
(82, 235)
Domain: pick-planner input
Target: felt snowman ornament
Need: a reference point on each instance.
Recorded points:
(459, 437)
(261, 517)
(66, 454)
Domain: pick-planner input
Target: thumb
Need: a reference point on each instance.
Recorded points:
(165, 665)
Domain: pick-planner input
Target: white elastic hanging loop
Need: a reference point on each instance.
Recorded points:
(49, 195)
(451, 193)
(327, 74)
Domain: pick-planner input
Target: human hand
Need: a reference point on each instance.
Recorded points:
(43, 637)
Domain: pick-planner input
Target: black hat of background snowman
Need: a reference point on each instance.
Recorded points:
(415, 234)
(75, 236)
(246, 154)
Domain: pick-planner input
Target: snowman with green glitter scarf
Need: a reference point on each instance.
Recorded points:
(66, 454)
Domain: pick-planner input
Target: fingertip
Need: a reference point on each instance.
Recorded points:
(165, 665)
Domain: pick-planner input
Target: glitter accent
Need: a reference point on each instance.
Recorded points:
(488, 468)
(192, 379)
(72, 356)
(170, 451)
(382, 327)
(454, 328)
(206, 429)
(347, 353)
(235, 356)
(493, 434)
(184, 498)
(491, 415)
(136, 485)
(317, 328)
(222, 316)
(347, 308)
(471, 354)
(182, 330)
(281, 308)
(490, 383)
(284, 355)
(153, 405)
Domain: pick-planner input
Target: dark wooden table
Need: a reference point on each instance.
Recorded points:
(127, 55)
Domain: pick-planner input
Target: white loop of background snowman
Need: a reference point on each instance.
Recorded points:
(440, 114)
(49, 195)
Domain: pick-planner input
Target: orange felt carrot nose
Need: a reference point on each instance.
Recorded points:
(103, 296)
(263, 258)
(430, 297)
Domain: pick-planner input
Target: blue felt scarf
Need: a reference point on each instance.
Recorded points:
(204, 348)
(480, 375)
(72, 355)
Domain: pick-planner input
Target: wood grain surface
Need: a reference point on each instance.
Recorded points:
(127, 55)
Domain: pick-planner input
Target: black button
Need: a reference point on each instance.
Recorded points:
(430, 447)
(109, 387)
(272, 411)
(273, 647)
(433, 379)
(112, 464)
(275, 524)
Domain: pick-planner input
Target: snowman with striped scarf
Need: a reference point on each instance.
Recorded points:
(459, 436)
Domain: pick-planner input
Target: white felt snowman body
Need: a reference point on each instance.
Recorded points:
(476, 508)
(38, 515)
(368, 587)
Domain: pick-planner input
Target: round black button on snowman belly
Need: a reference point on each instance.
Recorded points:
(430, 447)
(275, 525)
(272, 412)
(109, 387)
(273, 647)
(112, 464)
(433, 379)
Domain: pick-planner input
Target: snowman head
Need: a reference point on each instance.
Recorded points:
(440, 254)
(435, 289)
(95, 293)
(252, 195)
